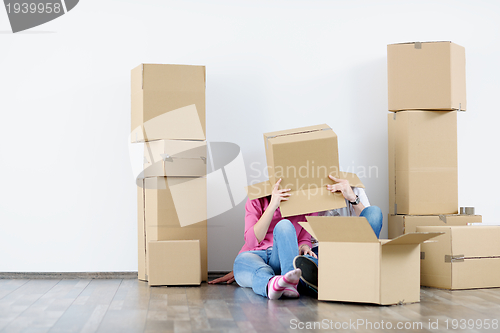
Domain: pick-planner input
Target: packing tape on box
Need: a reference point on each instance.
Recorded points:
(226, 180)
(275, 136)
(418, 45)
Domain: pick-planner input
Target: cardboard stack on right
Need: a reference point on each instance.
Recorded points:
(426, 90)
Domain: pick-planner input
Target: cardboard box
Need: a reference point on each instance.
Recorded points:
(426, 76)
(403, 224)
(303, 158)
(464, 257)
(423, 168)
(355, 266)
(175, 158)
(175, 209)
(174, 263)
(168, 102)
(141, 233)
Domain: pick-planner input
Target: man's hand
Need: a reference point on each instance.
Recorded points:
(227, 279)
(343, 186)
(305, 249)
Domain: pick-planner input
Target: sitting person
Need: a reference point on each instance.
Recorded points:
(357, 204)
(265, 263)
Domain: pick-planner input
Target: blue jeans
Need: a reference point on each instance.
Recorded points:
(374, 216)
(255, 268)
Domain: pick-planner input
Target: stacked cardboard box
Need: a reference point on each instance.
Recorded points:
(426, 88)
(168, 116)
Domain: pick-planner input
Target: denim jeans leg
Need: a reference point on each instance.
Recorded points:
(285, 247)
(375, 217)
(251, 270)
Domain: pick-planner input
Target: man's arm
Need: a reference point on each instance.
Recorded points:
(343, 186)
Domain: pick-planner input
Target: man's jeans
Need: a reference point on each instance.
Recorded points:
(255, 268)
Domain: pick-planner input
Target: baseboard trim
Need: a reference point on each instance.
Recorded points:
(68, 275)
(82, 275)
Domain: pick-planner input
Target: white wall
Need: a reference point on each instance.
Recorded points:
(68, 199)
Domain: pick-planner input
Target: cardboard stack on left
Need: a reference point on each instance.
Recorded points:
(168, 117)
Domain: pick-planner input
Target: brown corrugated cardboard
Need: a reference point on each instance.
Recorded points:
(175, 158)
(174, 263)
(465, 257)
(423, 173)
(141, 233)
(175, 209)
(303, 158)
(403, 224)
(368, 270)
(426, 76)
(264, 189)
(168, 102)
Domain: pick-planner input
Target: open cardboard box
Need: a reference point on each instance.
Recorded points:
(464, 257)
(355, 266)
(168, 102)
(303, 158)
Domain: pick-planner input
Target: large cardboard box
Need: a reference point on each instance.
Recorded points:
(174, 263)
(168, 102)
(303, 158)
(464, 257)
(355, 266)
(175, 157)
(423, 171)
(403, 224)
(426, 76)
(175, 209)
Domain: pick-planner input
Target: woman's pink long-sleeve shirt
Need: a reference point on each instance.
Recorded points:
(254, 210)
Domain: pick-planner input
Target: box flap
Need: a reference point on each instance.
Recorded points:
(259, 190)
(263, 189)
(412, 238)
(311, 201)
(308, 228)
(342, 229)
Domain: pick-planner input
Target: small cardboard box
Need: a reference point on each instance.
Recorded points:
(174, 263)
(355, 266)
(403, 224)
(465, 257)
(303, 158)
(175, 157)
(168, 102)
(426, 76)
(423, 167)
